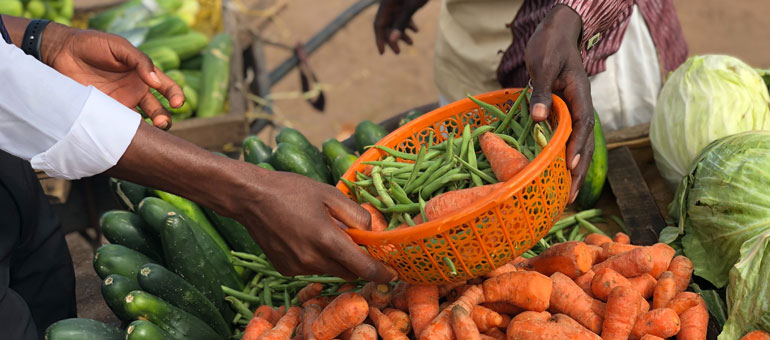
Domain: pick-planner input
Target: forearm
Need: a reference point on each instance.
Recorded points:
(53, 36)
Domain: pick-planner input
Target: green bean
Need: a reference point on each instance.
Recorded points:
(416, 167)
(365, 183)
(286, 301)
(475, 178)
(396, 153)
(430, 188)
(449, 150)
(371, 199)
(412, 187)
(481, 130)
(320, 279)
(408, 219)
(560, 236)
(294, 300)
(588, 226)
(477, 172)
(510, 140)
(240, 295)
(573, 234)
(393, 222)
(540, 137)
(388, 164)
(527, 127)
(448, 262)
(493, 110)
(239, 307)
(351, 185)
(440, 172)
(247, 256)
(422, 206)
(267, 298)
(402, 208)
(361, 177)
(465, 139)
(512, 112)
(620, 224)
(399, 194)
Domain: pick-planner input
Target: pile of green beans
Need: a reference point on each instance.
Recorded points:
(574, 228)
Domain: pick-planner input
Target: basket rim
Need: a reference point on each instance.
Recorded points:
(555, 145)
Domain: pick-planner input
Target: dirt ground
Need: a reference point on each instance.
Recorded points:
(360, 84)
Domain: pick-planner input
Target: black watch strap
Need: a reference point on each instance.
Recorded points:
(32, 37)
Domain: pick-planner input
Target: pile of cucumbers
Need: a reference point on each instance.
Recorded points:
(60, 11)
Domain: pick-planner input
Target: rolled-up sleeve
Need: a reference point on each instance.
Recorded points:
(62, 127)
(598, 16)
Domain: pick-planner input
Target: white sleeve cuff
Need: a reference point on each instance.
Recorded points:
(96, 141)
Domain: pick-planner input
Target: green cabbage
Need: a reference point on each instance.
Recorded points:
(748, 294)
(723, 202)
(706, 98)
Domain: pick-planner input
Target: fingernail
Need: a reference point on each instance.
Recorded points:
(163, 125)
(394, 273)
(154, 77)
(538, 111)
(575, 161)
(574, 196)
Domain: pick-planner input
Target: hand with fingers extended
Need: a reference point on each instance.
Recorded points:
(555, 66)
(392, 19)
(114, 66)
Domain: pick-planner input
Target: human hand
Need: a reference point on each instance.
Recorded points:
(114, 66)
(554, 65)
(392, 19)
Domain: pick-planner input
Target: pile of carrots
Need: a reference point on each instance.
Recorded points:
(598, 288)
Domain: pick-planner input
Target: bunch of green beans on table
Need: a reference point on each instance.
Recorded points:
(574, 228)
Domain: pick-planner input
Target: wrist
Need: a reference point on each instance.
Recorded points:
(563, 20)
(55, 38)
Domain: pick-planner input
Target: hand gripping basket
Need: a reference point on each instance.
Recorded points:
(492, 231)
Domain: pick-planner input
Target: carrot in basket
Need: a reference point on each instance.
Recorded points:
(684, 301)
(528, 290)
(486, 318)
(310, 291)
(596, 239)
(345, 311)
(495, 333)
(584, 281)
(644, 284)
(545, 330)
(532, 316)
(399, 319)
(455, 200)
(682, 268)
(378, 221)
(285, 326)
(267, 313)
(621, 237)
(505, 160)
(463, 325)
(694, 322)
(568, 321)
(423, 305)
(611, 249)
(568, 298)
(661, 322)
(364, 332)
(665, 290)
(628, 264)
(662, 254)
(255, 328)
(502, 307)
(757, 335)
(440, 327)
(309, 314)
(651, 337)
(385, 328)
(622, 309)
(399, 297)
(572, 258)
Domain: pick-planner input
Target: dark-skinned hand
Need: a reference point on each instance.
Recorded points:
(555, 66)
(392, 19)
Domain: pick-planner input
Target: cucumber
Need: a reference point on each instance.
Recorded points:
(114, 290)
(197, 259)
(185, 45)
(103, 20)
(215, 76)
(332, 149)
(163, 57)
(116, 259)
(367, 133)
(234, 233)
(255, 151)
(292, 136)
(171, 26)
(128, 194)
(177, 76)
(289, 157)
(192, 78)
(145, 330)
(12, 7)
(82, 329)
(128, 229)
(410, 116)
(266, 166)
(153, 211)
(194, 63)
(176, 322)
(190, 97)
(342, 164)
(591, 190)
(161, 282)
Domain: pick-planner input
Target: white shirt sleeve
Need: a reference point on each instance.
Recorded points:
(62, 127)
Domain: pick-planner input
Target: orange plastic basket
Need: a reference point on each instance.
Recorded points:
(490, 232)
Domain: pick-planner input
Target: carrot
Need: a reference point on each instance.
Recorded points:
(309, 314)
(662, 254)
(568, 298)
(487, 337)
(644, 307)
(378, 221)
(506, 268)
(682, 268)
(611, 249)
(528, 290)
(423, 305)
(629, 264)
(621, 238)
(282, 311)
(622, 309)
(568, 321)
(440, 327)
(605, 281)
(267, 313)
(348, 333)
(599, 307)
(345, 311)
(495, 333)
(380, 296)
(644, 284)
(399, 319)
(364, 332)
(544, 330)
(757, 335)
(463, 325)
(532, 316)
(506, 161)
(596, 253)
(506, 320)
(572, 258)
(255, 328)
(285, 326)
(486, 318)
(450, 288)
(596, 239)
(662, 322)
(502, 307)
(321, 301)
(308, 292)
(665, 290)
(684, 301)
(584, 281)
(651, 337)
(346, 288)
(694, 322)
(455, 200)
(385, 327)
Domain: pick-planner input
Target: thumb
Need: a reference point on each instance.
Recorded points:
(348, 212)
(540, 102)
